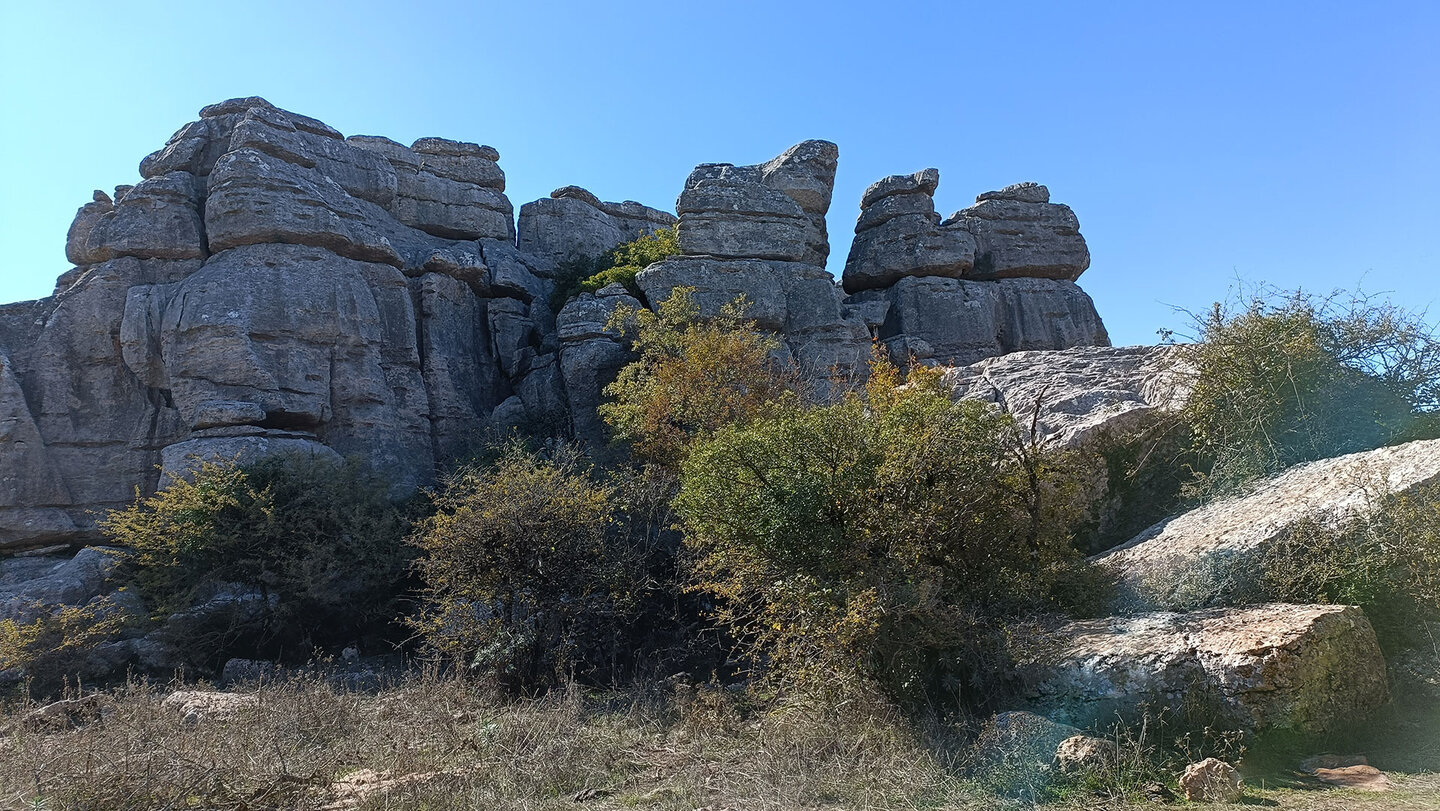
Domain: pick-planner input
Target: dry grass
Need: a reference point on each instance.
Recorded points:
(439, 744)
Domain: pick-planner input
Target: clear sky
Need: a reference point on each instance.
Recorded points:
(1290, 142)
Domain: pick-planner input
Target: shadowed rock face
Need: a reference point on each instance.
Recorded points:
(270, 285)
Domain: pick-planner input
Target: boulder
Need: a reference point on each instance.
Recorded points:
(899, 235)
(1210, 781)
(1206, 556)
(1018, 232)
(196, 706)
(157, 219)
(77, 240)
(30, 586)
(1079, 754)
(1080, 397)
(591, 355)
(774, 210)
(1302, 667)
(180, 460)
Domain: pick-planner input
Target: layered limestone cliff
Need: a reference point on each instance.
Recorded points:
(270, 285)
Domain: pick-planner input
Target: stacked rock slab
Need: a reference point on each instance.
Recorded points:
(573, 224)
(759, 232)
(995, 278)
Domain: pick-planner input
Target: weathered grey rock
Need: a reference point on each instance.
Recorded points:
(33, 586)
(591, 354)
(573, 225)
(1210, 781)
(952, 322)
(197, 707)
(1016, 236)
(907, 245)
(225, 413)
(1022, 192)
(1301, 667)
(257, 199)
(899, 235)
(461, 376)
(1207, 556)
(452, 209)
(157, 219)
(460, 161)
(799, 301)
(1086, 395)
(923, 182)
(360, 172)
(775, 210)
(181, 460)
(77, 240)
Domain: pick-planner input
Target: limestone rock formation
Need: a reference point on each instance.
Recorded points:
(272, 286)
(759, 232)
(899, 235)
(1019, 232)
(1204, 557)
(574, 224)
(995, 278)
(1082, 396)
(1300, 667)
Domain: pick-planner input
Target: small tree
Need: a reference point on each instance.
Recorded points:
(319, 544)
(882, 535)
(516, 565)
(693, 376)
(1283, 378)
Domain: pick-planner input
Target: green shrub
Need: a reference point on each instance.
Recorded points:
(54, 645)
(320, 543)
(885, 535)
(515, 566)
(693, 376)
(619, 264)
(1283, 378)
(1387, 563)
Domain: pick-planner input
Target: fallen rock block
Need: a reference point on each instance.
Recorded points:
(1205, 557)
(1300, 667)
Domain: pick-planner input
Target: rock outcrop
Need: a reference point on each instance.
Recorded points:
(272, 286)
(1300, 667)
(573, 224)
(759, 232)
(1205, 557)
(1079, 397)
(994, 278)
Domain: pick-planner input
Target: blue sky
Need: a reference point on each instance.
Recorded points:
(1294, 143)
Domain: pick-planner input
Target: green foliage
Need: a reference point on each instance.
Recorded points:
(693, 376)
(882, 535)
(1283, 378)
(515, 559)
(619, 264)
(1387, 563)
(51, 647)
(321, 544)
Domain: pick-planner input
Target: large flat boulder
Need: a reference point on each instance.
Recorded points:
(573, 224)
(899, 234)
(1301, 667)
(1082, 396)
(1206, 556)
